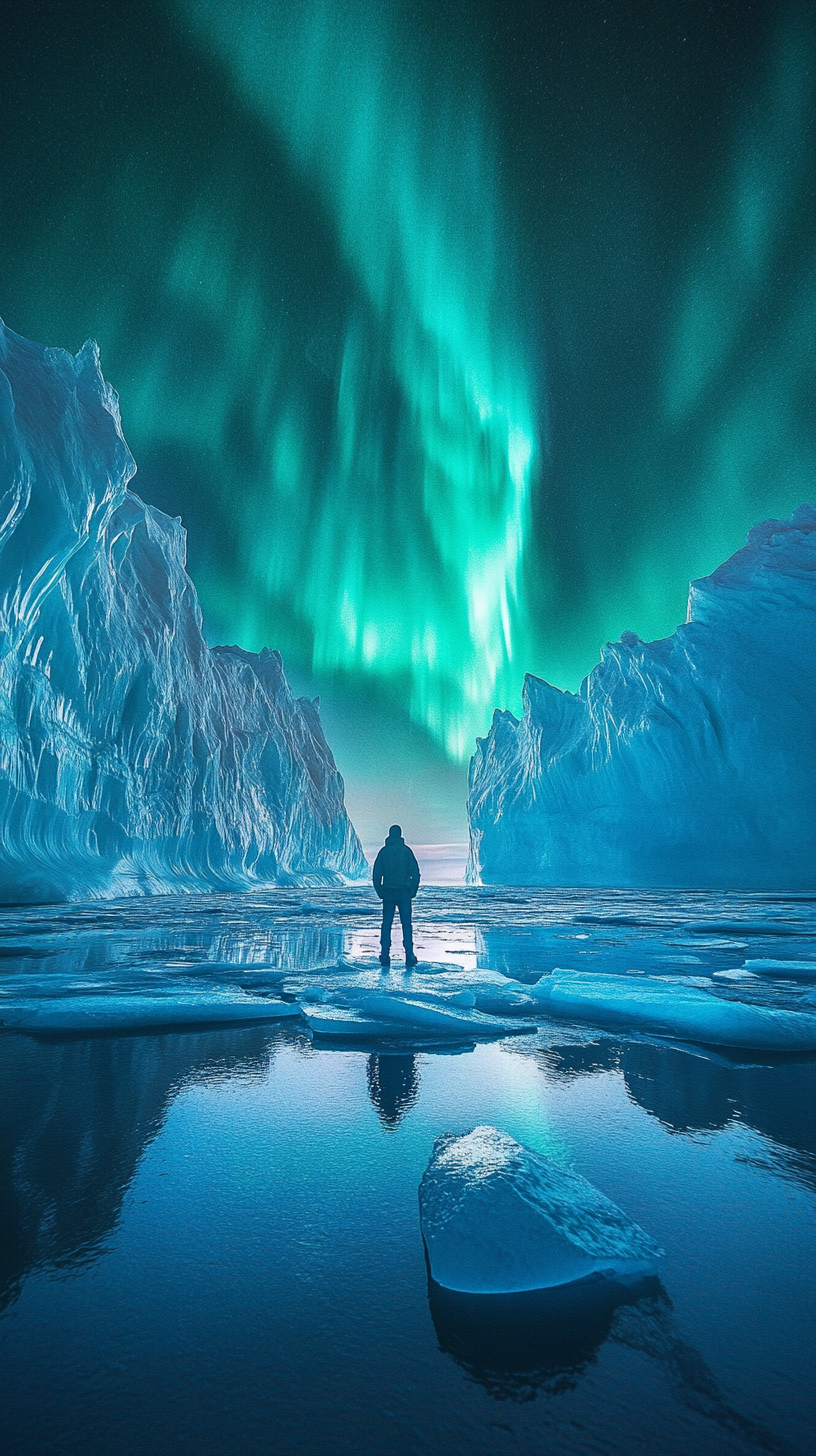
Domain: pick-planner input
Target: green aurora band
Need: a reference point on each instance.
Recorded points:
(450, 377)
(418, 517)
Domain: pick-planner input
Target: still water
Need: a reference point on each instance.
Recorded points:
(214, 1241)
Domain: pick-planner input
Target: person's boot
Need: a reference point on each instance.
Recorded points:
(410, 959)
(385, 959)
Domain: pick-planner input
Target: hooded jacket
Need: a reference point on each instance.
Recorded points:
(396, 871)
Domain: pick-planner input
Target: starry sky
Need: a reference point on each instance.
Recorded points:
(461, 335)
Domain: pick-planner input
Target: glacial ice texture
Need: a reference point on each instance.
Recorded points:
(687, 762)
(498, 1218)
(133, 758)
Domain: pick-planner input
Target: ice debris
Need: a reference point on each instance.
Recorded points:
(498, 1218)
(138, 1013)
(670, 1007)
(686, 762)
(363, 1013)
(134, 758)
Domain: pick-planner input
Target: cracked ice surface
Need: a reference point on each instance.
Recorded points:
(489, 961)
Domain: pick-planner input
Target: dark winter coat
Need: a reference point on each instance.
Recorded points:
(396, 871)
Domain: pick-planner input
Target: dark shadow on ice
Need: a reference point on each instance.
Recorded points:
(76, 1118)
(689, 1091)
(540, 1343)
(519, 1346)
(393, 1086)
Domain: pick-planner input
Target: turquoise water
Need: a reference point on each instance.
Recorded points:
(214, 1236)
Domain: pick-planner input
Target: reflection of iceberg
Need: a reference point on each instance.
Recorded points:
(498, 1218)
(77, 1116)
(393, 1086)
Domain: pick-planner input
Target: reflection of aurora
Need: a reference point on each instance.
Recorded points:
(325, 247)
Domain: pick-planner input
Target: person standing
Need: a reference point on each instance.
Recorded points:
(396, 881)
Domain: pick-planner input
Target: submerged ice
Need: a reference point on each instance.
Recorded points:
(687, 762)
(133, 758)
(498, 1218)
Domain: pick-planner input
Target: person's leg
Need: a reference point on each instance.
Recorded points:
(404, 903)
(389, 905)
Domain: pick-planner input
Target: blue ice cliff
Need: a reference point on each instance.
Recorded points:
(498, 1218)
(134, 759)
(687, 762)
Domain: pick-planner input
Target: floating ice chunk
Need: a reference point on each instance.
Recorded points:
(130, 1013)
(436, 968)
(459, 1020)
(498, 1218)
(804, 969)
(358, 1011)
(498, 1002)
(346, 1022)
(670, 1007)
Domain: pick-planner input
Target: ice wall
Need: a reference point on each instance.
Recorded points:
(134, 759)
(686, 762)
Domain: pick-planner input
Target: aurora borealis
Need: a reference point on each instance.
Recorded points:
(461, 335)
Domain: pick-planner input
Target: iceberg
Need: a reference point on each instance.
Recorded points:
(688, 762)
(671, 1008)
(134, 758)
(498, 1218)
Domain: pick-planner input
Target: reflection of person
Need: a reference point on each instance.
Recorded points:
(396, 880)
(393, 1086)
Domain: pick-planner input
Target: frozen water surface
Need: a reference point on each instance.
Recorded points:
(214, 1231)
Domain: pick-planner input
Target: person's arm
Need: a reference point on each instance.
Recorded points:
(414, 872)
(377, 875)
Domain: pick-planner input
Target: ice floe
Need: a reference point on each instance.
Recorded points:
(498, 1218)
(134, 1013)
(669, 1006)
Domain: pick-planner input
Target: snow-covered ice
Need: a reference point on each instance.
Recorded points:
(133, 758)
(685, 762)
(498, 1218)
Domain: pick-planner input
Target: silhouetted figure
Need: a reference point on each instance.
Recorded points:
(393, 1086)
(396, 880)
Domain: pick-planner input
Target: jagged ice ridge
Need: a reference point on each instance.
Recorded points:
(686, 762)
(133, 757)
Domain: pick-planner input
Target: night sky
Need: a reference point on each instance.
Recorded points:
(460, 336)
